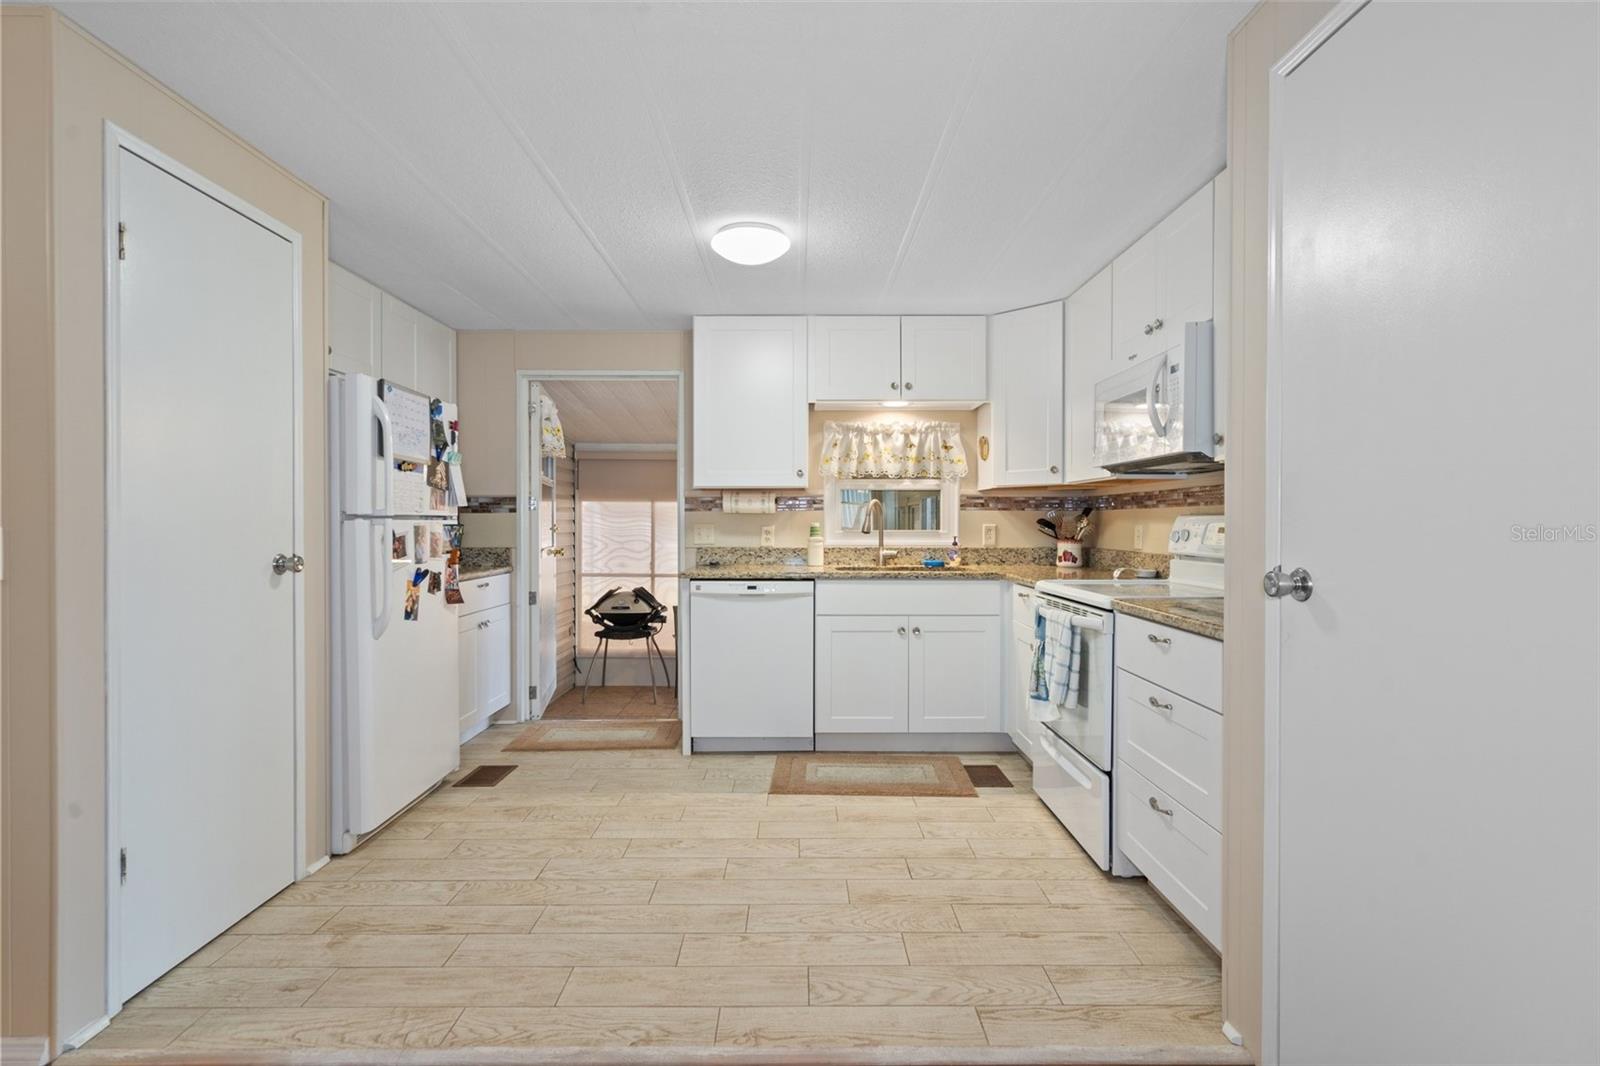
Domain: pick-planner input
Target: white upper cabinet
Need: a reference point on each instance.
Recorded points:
(371, 332)
(750, 417)
(1088, 359)
(355, 323)
(436, 359)
(944, 358)
(1133, 304)
(1184, 268)
(932, 358)
(1023, 422)
(1163, 281)
(399, 342)
(854, 357)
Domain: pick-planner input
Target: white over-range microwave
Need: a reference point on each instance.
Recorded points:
(1156, 416)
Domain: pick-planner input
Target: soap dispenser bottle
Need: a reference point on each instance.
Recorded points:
(953, 556)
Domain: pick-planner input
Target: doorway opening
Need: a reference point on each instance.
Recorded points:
(604, 526)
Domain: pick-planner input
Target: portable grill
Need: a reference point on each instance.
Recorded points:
(632, 614)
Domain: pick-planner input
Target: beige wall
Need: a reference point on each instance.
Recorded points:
(91, 86)
(1258, 43)
(26, 613)
(486, 385)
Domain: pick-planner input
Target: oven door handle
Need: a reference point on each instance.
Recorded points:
(1065, 763)
(1096, 622)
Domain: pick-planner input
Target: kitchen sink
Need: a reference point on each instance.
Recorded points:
(869, 566)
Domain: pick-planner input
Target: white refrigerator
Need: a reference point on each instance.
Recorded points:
(394, 715)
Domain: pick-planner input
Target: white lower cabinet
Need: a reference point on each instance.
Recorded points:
(483, 642)
(1174, 848)
(956, 678)
(939, 670)
(862, 682)
(1169, 766)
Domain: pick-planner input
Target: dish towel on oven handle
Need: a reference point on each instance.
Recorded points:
(1057, 672)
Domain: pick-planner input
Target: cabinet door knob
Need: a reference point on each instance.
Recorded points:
(895, 385)
(800, 473)
(1154, 806)
(1135, 355)
(908, 386)
(1055, 469)
(901, 631)
(1149, 328)
(916, 631)
(1157, 324)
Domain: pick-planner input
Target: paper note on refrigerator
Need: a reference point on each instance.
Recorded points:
(409, 421)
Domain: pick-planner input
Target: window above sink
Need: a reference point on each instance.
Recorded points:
(917, 512)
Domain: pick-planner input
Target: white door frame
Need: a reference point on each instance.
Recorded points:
(524, 566)
(117, 139)
(1272, 510)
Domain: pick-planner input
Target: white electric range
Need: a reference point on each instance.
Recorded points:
(1073, 772)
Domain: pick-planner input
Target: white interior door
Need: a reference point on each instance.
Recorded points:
(1437, 810)
(203, 479)
(540, 617)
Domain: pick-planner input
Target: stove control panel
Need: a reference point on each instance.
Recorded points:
(1198, 536)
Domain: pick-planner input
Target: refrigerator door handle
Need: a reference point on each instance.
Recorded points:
(385, 446)
(380, 621)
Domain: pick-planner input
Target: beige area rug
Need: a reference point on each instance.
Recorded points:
(867, 774)
(597, 736)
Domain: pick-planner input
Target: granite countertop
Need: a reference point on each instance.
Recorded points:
(483, 571)
(1200, 616)
(1028, 574)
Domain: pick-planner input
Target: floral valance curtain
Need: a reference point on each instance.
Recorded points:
(896, 450)
(552, 441)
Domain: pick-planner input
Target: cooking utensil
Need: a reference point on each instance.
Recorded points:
(1048, 528)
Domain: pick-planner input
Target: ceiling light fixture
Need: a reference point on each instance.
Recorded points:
(749, 243)
(896, 403)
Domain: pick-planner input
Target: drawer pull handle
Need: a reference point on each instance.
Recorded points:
(1154, 806)
(483, 584)
(1158, 640)
(1159, 705)
(1022, 595)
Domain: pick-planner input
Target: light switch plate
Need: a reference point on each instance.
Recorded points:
(705, 534)
(989, 534)
(769, 536)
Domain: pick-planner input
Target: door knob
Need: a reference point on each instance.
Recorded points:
(283, 564)
(908, 386)
(1157, 324)
(1149, 328)
(916, 631)
(1295, 584)
(895, 385)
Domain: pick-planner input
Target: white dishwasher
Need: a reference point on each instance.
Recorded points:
(750, 670)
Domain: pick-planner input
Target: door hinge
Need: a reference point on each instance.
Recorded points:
(122, 240)
(533, 599)
(533, 692)
(122, 865)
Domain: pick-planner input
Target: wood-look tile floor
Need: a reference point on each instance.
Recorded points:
(642, 899)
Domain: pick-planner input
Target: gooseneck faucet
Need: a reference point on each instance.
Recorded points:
(875, 506)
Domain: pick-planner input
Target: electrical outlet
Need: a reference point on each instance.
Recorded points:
(769, 536)
(705, 534)
(989, 534)
(1138, 537)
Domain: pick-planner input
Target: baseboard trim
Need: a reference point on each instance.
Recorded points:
(733, 744)
(86, 1034)
(974, 743)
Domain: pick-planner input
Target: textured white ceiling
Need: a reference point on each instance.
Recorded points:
(561, 166)
(616, 411)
